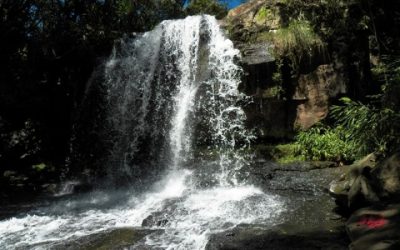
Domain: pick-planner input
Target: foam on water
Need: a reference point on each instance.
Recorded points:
(191, 216)
(168, 90)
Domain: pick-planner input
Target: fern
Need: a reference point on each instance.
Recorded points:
(371, 129)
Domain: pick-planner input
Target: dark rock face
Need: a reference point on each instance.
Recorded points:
(314, 91)
(257, 53)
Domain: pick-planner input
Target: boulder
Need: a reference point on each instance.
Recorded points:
(375, 228)
(366, 182)
(388, 177)
(352, 189)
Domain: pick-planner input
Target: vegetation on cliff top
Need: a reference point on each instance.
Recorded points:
(296, 40)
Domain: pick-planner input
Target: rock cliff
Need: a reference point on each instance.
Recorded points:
(298, 58)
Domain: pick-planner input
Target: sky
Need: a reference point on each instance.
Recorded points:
(233, 3)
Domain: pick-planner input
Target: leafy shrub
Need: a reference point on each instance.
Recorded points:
(370, 128)
(324, 143)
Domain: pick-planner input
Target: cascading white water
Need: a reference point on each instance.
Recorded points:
(173, 88)
(169, 90)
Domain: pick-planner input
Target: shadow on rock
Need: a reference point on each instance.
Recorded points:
(374, 228)
(282, 237)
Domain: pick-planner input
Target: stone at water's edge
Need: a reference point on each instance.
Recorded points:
(375, 228)
(347, 189)
(367, 182)
(310, 221)
(282, 237)
(388, 177)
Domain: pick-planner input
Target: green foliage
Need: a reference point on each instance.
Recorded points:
(211, 7)
(360, 128)
(39, 167)
(282, 153)
(287, 153)
(273, 92)
(263, 13)
(387, 70)
(324, 143)
(370, 128)
(297, 40)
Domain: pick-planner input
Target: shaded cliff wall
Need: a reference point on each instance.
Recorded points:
(299, 57)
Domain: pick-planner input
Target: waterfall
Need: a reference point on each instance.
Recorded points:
(170, 92)
(172, 89)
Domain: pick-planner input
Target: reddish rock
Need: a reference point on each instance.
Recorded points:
(375, 228)
(314, 91)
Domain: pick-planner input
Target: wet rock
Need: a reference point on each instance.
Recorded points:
(309, 221)
(297, 177)
(365, 182)
(388, 177)
(162, 217)
(347, 189)
(307, 80)
(120, 238)
(155, 220)
(281, 237)
(258, 53)
(50, 188)
(375, 228)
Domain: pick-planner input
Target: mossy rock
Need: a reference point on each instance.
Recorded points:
(281, 153)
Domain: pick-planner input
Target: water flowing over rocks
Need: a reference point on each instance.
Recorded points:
(113, 239)
(310, 221)
(163, 154)
(168, 92)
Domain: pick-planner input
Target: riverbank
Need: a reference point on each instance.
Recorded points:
(291, 201)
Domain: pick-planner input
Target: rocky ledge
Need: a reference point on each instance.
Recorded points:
(369, 191)
(310, 221)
